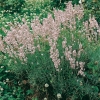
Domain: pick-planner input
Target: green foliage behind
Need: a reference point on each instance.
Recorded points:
(94, 7)
(61, 3)
(11, 5)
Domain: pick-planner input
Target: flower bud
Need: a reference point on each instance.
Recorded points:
(80, 46)
(2, 66)
(45, 98)
(46, 85)
(1, 89)
(7, 80)
(80, 1)
(83, 1)
(74, 53)
(58, 95)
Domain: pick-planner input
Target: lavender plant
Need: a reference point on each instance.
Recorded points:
(54, 55)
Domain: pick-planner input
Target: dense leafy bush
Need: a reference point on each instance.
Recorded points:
(11, 5)
(94, 7)
(61, 3)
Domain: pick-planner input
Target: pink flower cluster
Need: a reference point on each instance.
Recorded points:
(54, 53)
(68, 17)
(72, 55)
(92, 29)
(18, 42)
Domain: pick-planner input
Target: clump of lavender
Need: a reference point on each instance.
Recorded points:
(19, 41)
(58, 37)
(57, 42)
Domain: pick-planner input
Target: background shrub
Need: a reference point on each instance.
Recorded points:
(11, 5)
(61, 3)
(94, 7)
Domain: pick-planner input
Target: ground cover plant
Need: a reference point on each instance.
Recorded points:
(11, 86)
(58, 56)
